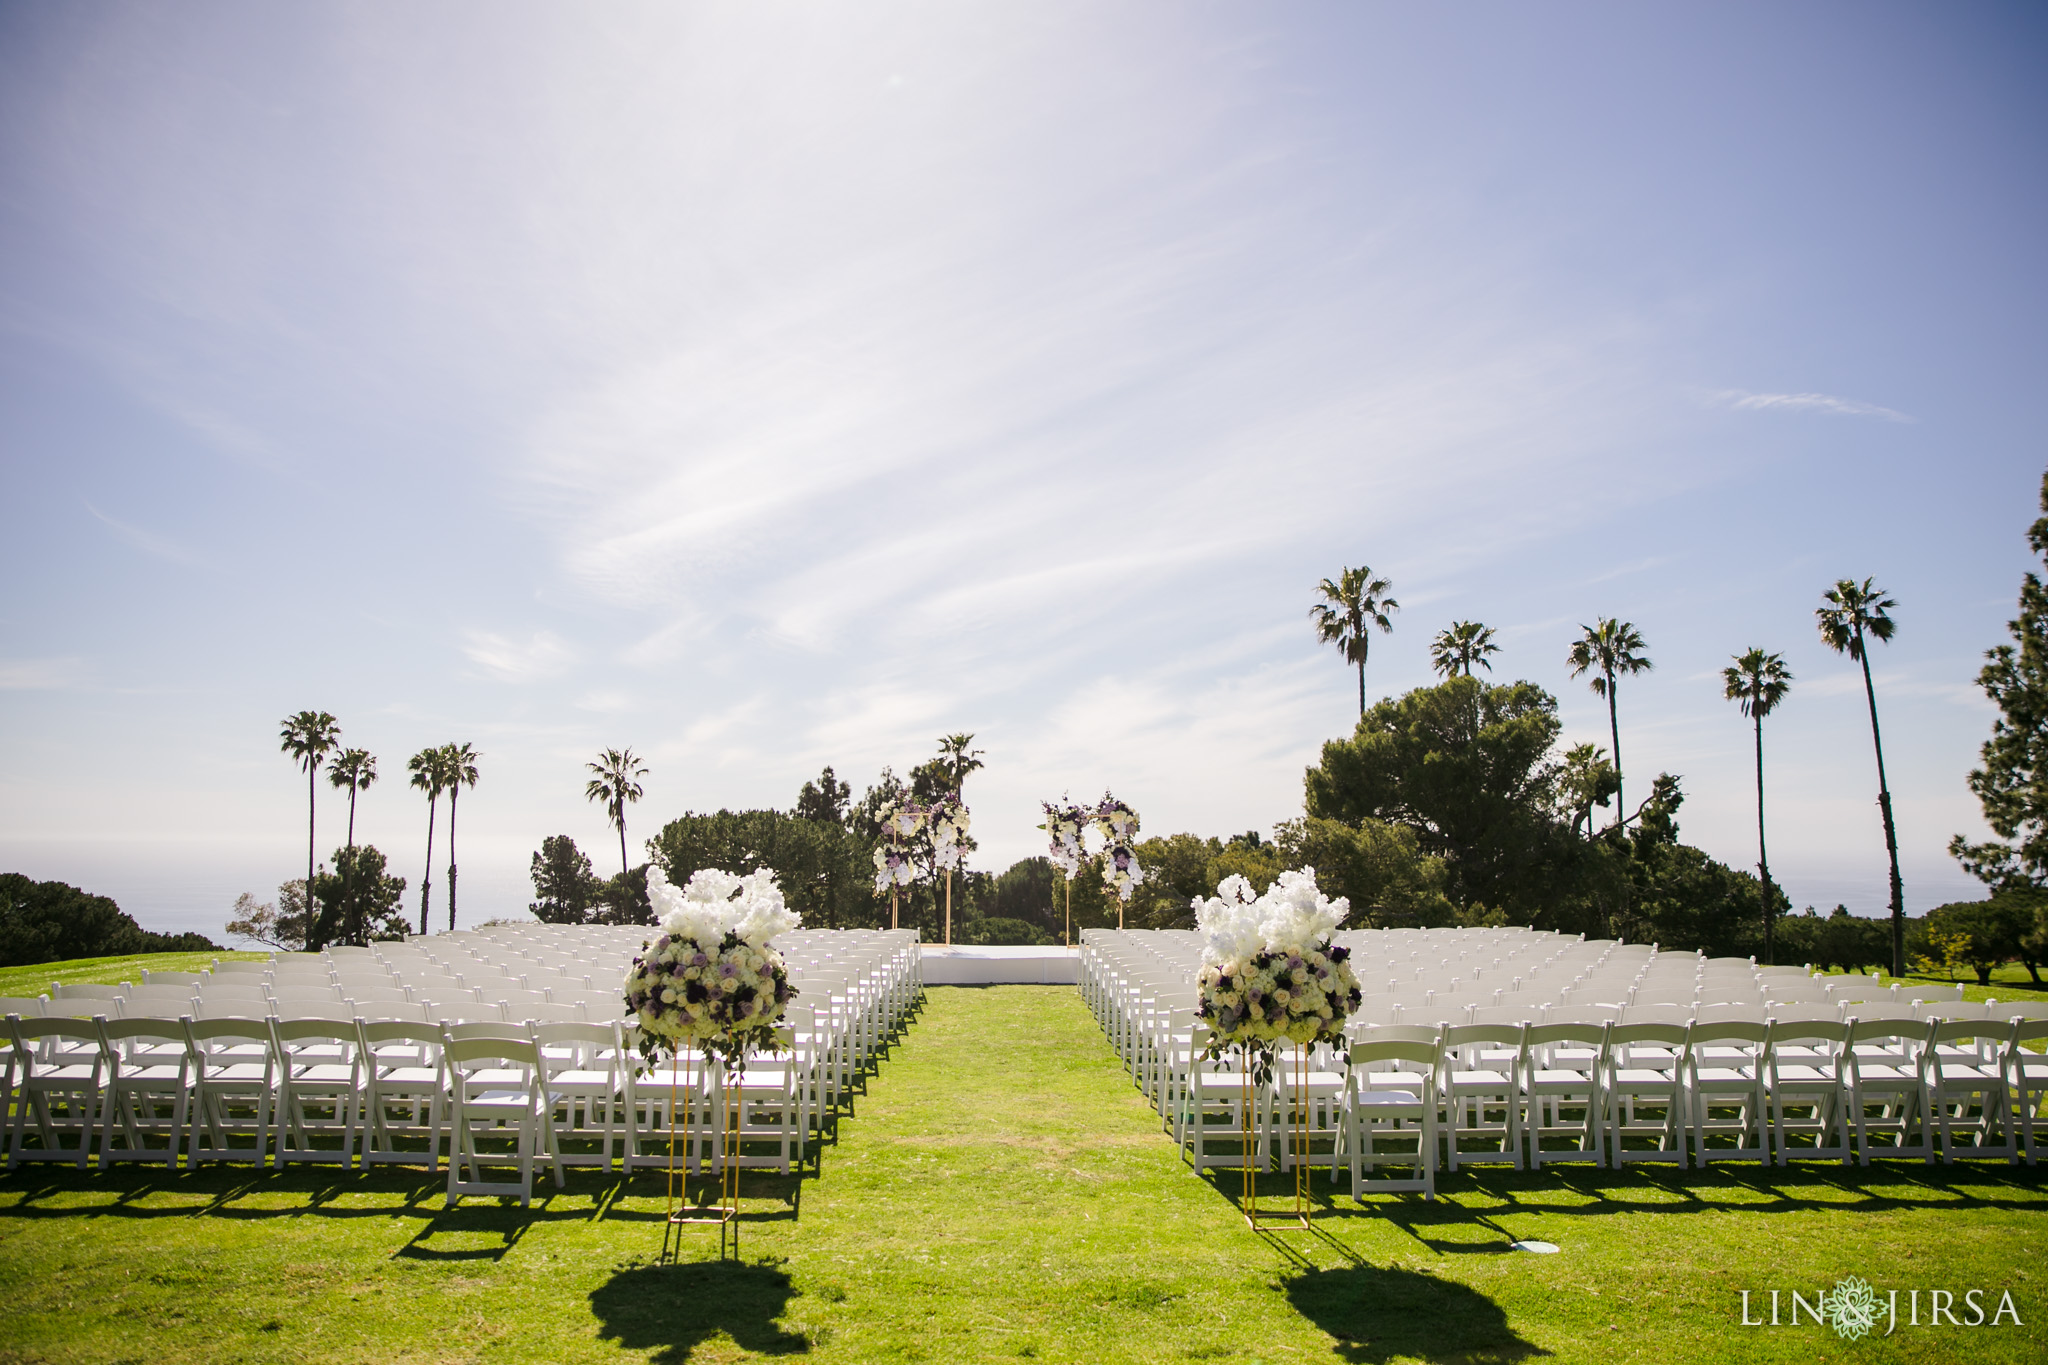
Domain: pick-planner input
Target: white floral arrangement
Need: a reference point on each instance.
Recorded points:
(1269, 970)
(901, 823)
(947, 821)
(1118, 825)
(1063, 825)
(711, 978)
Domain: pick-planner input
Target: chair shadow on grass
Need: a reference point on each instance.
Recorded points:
(1464, 1218)
(673, 1309)
(1380, 1313)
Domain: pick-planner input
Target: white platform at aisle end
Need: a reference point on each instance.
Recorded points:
(962, 965)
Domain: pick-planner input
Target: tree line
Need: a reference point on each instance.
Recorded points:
(1468, 769)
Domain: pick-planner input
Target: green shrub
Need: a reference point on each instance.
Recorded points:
(1004, 932)
(54, 921)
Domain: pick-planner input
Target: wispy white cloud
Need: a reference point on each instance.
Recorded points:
(1807, 402)
(540, 655)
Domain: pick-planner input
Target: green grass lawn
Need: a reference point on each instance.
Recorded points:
(1001, 1192)
(107, 971)
(2010, 982)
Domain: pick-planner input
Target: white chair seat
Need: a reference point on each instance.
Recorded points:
(1487, 1081)
(1640, 1078)
(1408, 1098)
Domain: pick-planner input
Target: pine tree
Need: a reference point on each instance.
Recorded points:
(2012, 786)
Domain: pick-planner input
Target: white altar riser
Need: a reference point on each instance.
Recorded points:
(961, 965)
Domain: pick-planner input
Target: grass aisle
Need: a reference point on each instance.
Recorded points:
(1000, 1192)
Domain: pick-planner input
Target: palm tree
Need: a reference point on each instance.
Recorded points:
(1352, 604)
(1466, 643)
(310, 737)
(355, 769)
(1607, 651)
(1758, 682)
(958, 759)
(429, 774)
(1854, 614)
(614, 785)
(458, 768)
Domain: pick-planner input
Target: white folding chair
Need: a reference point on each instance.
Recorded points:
(1966, 1093)
(402, 1091)
(1211, 1121)
(1804, 1074)
(107, 994)
(2025, 1069)
(155, 1002)
(146, 1088)
(1476, 1083)
(319, 1083)
(494, 1093)
(580, 1078)
(1642, 1084)
(1724, 1072)
(1885, 1072)
(768, 1099)
(1558, 1073)
(233, 1084)
(1305, 1107)
(1390, 1093)
(59, 1065)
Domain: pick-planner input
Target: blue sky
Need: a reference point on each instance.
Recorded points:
(766, 386)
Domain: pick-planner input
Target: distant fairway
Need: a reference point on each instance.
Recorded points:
(1001, 1191)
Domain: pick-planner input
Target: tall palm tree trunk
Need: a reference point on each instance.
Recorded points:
(1891, 833)
(1361, 685)
(427, 878)
(1614, 734)
(351, 816)
(312, 920)
(453, 792)
(619, 818)
(1763, 859)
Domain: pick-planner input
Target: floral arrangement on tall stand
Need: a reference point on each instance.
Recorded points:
(901, 823)
(711, 982)
(947, 821)
(1270, 973)
(1117, 823)
(1066, 825)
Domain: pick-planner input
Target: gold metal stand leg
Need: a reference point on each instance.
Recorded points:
(724, 1155)
(1297, 1148)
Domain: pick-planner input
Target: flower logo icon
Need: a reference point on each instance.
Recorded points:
(1851, 1307)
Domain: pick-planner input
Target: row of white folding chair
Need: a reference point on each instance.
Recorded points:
(1174, 1059)
(1454, 1012)
(339, 1080)
(1919, 1077)
(134, 1069)
(1665, 1082)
